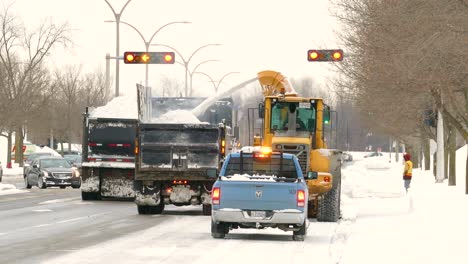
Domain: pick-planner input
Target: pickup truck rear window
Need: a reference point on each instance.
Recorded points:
(268, 167)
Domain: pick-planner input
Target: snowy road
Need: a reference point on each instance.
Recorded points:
(56, 226)
(380, 225)
(40, 224)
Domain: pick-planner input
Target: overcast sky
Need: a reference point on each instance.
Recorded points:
(256, 35)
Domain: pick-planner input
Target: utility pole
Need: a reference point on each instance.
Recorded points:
(440, 148)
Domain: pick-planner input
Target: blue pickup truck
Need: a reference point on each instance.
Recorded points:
(260, 189)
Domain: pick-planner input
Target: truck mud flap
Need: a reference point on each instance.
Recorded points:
(147, 195)
(117, 188)
(90, 184)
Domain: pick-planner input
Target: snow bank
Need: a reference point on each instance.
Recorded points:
(119, 107)
(46, 149)
(178, 117)
(9, 189)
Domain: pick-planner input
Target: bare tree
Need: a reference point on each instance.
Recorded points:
(22, 56)
(404, 55)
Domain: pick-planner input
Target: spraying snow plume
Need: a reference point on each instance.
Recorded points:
(199, 110)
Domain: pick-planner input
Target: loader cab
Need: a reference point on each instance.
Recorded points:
(293, 117)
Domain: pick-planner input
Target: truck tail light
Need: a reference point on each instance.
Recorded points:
(136, 147)
(215, 195)
(300, 198)
(326, 179)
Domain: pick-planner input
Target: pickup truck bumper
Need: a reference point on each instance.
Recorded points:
(274, 217)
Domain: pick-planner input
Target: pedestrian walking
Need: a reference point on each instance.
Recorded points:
(408, 171)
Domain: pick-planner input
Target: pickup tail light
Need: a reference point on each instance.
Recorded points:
(300, 198)
(215, 195)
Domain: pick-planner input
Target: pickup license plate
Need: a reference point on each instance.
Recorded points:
(258, 214)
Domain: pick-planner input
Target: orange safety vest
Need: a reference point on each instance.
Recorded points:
(408, 172)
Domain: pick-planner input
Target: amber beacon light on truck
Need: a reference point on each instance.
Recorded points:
(325, 55)
(138, 57)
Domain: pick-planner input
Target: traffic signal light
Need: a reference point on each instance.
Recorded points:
(325, 55)
(139, 57)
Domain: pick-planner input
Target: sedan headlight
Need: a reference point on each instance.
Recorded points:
(45, 174)
(76, 173)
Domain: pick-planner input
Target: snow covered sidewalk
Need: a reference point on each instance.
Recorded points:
(426, 226)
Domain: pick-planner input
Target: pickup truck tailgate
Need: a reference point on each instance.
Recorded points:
(261, 195)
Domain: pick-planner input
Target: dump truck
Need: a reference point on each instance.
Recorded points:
(177, 156)
(295, 124)
(108, 165)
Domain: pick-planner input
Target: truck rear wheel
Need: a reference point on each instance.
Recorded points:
(329, 207)
(88, 196)
(300, 234)
(146, 209)
(207, 209)
(218, 230)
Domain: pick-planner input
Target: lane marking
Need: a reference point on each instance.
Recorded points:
(59, 200)
(42, 210)
(70, 220)
(41, 225)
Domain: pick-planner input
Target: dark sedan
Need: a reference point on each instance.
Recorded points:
(52, 171)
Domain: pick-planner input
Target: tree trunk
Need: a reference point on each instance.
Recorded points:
(61, 147)
(434, 168)
(397, 150)
(427, 154)
(9, 146)
(466, 172)
(19, 149)
(452, 146)
(448, 135)
(17, 146)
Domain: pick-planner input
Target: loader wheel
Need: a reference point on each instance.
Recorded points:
(88, 196)
(207, 209)
(218, 230)
(300, 234)
(329, 207)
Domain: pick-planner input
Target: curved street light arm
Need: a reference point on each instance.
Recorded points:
(178, 53)
(207, 45)
(128, 24)
(175, 22)
(209, 77)
(113, 11)
(117, 15)
(194, 69)
(121, 11)
(224, 76)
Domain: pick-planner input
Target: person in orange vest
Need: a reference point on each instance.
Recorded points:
(408, 171)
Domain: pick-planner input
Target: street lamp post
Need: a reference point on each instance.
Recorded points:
(218, 83)
(186, 62)
(117, 49)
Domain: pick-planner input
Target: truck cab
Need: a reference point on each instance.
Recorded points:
(260, 189)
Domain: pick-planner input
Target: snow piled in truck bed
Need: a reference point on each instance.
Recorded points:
(119, 107)
(178, 117)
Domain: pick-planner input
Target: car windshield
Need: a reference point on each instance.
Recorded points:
(72, 158)
(36, 155)
(55, 163)
(268, 167)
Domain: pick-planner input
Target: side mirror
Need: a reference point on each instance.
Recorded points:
(261, 110)
(326, 114)
(212, 173)
(35, 166)
(312, 175)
